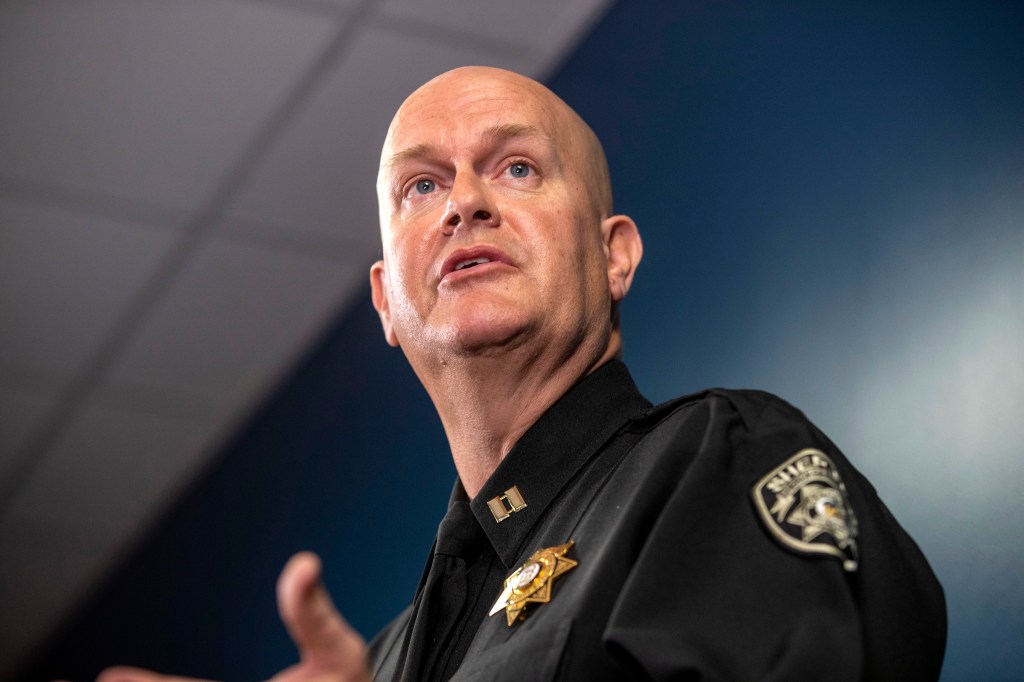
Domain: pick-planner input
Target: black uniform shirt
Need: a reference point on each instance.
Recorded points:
(681, 572)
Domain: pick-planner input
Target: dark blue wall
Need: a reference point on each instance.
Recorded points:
(831, 200)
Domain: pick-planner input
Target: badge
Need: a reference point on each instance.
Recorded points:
(803, 504)
(532, 581)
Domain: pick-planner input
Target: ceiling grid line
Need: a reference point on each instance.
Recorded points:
(56, 195)
(150, 215)
(324, 8)
(416, 28)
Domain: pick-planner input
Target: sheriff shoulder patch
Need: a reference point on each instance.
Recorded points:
(803, 503)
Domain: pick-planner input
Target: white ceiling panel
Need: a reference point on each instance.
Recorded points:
(64, 278)
(110, 468)
(541, 30)
(321, 244)
(236, 316)
(319, 176)
(326, 6)
(148, 100)
(22, 414)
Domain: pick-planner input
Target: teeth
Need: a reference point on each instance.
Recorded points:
(470, 263)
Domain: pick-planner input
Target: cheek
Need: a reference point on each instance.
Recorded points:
(404, 310)
(590, 258)
(410, 269)
(572, 262)
(407, 251)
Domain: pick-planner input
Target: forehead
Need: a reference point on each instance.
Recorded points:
(458, 111)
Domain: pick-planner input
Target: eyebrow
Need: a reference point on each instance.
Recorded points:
(496, 133)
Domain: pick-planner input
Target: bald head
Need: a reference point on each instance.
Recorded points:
(496, 225)
(438, 102)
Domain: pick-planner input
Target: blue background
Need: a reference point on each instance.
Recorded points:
(832, 201)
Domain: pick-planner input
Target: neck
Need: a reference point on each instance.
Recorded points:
(486, 403)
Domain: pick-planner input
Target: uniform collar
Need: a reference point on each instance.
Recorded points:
(553, 450)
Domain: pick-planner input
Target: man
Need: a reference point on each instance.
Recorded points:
(591, 535)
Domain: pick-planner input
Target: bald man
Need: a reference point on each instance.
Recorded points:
(591, 535)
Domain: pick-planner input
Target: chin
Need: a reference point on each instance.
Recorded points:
(481, 330)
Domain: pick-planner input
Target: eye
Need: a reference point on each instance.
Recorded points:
(425, 186)
(519, 170)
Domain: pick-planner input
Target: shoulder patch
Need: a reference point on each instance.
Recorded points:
(803, 504)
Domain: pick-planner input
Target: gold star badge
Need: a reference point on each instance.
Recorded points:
(532, 581)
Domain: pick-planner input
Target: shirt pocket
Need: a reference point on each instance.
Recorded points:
(533, 654)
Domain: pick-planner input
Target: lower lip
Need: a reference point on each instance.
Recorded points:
(479, 270)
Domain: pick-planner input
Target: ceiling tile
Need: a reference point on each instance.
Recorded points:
(236, 316)
(320, 174)
(64, 278)
(326, 6)
(22, 415)
(149, 100)
(111, 467)
(542, 30)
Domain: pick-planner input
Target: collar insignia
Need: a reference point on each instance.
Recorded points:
(532, 581)
(803, 504)
(505, 505)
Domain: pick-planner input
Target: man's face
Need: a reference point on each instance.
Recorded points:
(490, 233)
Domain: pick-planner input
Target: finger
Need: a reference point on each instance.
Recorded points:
(123, 673)
(318, 630)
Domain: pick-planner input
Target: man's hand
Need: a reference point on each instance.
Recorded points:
(329, 649)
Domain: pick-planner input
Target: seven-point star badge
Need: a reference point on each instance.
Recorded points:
(532, 581)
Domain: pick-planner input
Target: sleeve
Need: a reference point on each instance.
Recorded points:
(717, 594)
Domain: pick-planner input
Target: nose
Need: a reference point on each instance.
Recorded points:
(469, 204)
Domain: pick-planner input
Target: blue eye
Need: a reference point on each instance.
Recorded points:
(519, 170)
(425, 186)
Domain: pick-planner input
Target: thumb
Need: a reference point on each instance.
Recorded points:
(322, 636)
(128, 674)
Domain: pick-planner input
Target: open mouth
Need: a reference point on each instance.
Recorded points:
(462, 265)
(464, 259)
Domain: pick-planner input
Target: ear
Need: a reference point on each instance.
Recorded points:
(623, 249)
(379, 294)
